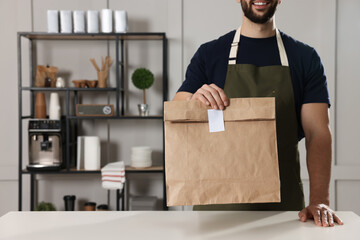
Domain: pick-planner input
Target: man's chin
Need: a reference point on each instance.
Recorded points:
(259, 19)
(259, 16)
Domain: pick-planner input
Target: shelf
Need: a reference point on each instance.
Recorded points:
(89, 36)
(129, 169)
(117, 117)
(68, 89)
(93, 89)
(62, 171)
(73, 123)
(44, 89)
(144, 170)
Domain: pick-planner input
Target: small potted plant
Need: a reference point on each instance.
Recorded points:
(142, 79)
(45, 206)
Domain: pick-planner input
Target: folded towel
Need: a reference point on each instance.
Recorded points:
(113, 175)
(114, 167)
(119, 173)
(113, 179)
(112, 185)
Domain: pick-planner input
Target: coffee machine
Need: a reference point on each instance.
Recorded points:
(46, 145)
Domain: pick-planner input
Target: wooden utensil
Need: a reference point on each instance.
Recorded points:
(94, 64)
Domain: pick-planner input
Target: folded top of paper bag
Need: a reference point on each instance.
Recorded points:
(240, 109)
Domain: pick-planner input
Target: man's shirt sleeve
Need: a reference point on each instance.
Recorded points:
(195, 75)
(315, 85)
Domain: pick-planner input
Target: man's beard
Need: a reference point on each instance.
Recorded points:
(249, 13)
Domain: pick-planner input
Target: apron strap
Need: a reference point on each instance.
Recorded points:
(235, 46)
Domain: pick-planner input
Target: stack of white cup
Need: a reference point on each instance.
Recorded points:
(141, 157)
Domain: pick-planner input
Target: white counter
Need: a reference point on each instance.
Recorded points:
(171, 225)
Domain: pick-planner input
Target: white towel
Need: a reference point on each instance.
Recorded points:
(113, 179)
(113, 175)
(112, 185)
(114, 166)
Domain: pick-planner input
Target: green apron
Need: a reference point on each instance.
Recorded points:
(246, 80)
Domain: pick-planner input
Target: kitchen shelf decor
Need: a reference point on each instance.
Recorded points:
(71, 97)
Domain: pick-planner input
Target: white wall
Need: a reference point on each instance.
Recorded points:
(15, 16)
(331, 26)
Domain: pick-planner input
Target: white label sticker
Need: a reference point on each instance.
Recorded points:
(216, 120)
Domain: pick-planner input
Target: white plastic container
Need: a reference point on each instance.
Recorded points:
(91, 152)
(92, 21)
(54, 107)
(53, 21)
(79, 21)
(106, 21)
(121, 21)
(66, 21)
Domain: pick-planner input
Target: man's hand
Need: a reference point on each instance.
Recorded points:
(315, 122)
(210, 95)
(322, 215)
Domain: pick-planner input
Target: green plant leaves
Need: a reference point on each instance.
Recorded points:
(142, 78)
(45, 206)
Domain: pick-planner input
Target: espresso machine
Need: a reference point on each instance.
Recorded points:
(46, 145)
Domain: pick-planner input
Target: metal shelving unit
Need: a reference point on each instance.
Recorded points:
(72, 92)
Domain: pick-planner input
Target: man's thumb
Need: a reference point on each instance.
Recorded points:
(302, 215)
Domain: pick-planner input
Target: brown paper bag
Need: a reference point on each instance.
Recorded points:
(238, 165)
(44, 73)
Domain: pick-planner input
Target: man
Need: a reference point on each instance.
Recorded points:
(259, 61)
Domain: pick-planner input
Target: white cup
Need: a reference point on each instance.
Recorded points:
(54, 108)
(121, 22)
(66, 21)
(60, 82)
(92, 21)
(106, 21)
(79, 21)
(53, 21)
(92, 153)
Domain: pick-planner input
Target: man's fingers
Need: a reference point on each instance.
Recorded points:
(330, 219)
(212, 95)
(209, 97)
(317, 217)
(201, 98)
(222, 94)
(216, 95)
(324, 218)
(303, 215)
(337, 219)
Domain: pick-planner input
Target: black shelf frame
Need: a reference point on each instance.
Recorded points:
(114, 117)
(119, 92)
(128, 169)
(68, 89)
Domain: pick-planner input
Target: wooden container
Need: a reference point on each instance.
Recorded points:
(102, 79)
(90, 206)
(40, 105)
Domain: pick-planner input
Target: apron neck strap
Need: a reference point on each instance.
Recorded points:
(235, 46)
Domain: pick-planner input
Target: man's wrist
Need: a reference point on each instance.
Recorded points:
(319, 201)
